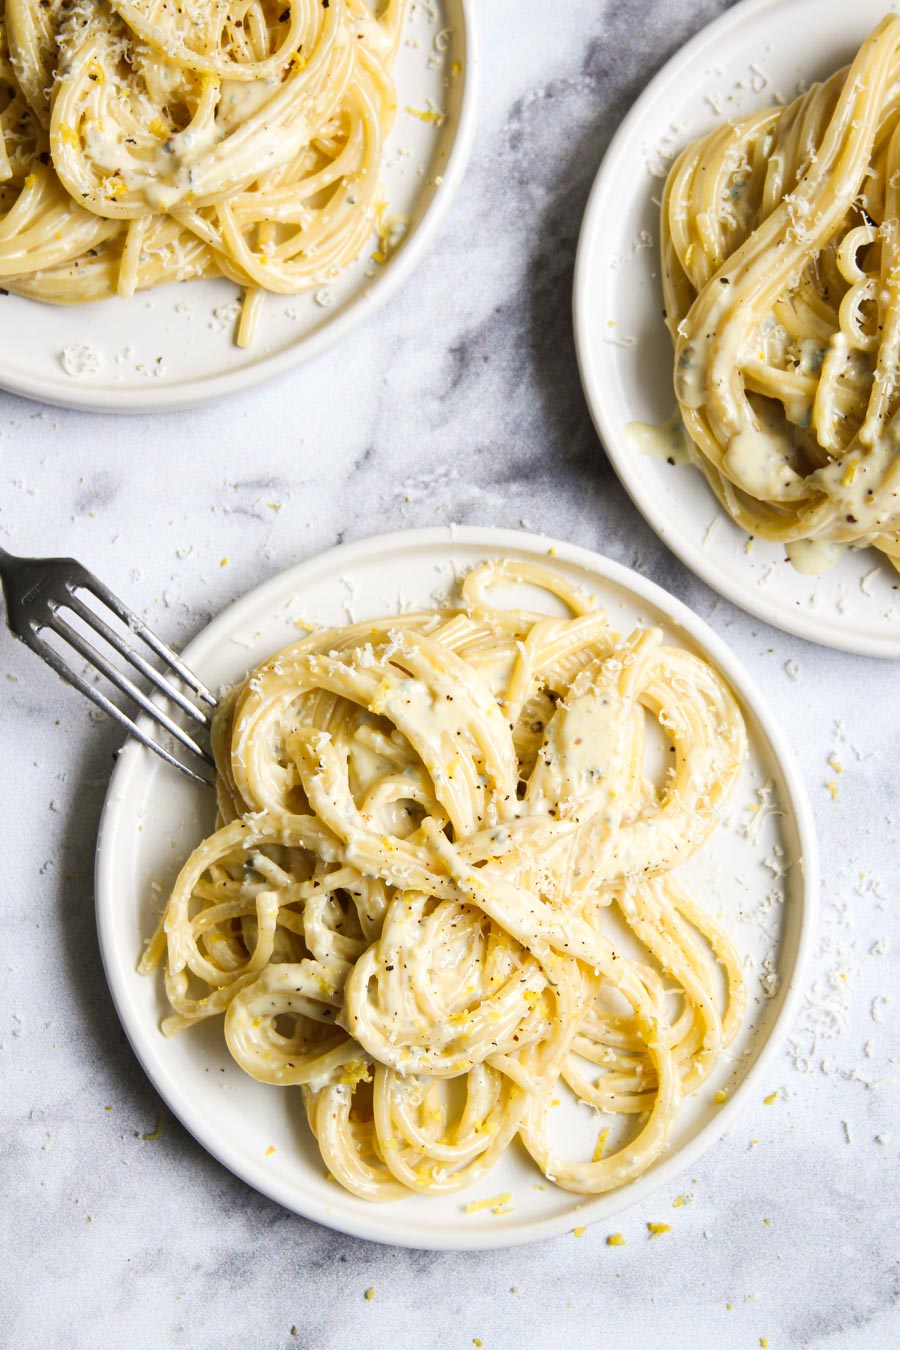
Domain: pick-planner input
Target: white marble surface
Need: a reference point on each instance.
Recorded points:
(465, 406)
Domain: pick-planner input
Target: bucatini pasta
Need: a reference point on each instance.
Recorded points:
(426, 825)
(144, 142)
(781, 269)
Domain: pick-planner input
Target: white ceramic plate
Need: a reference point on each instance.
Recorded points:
(757, 52)
(759, 872)
(173, 347)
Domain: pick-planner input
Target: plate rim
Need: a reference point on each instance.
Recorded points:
(492, 540)
(213, 388)
(743, 594)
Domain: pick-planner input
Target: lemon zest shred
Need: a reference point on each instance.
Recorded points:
(432, 115)
(476, 1206)
(355, 1071)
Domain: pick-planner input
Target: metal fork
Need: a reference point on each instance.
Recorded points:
(37, 590)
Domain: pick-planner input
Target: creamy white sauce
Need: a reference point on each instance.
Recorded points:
(798, 411)
(757, 461)
(557, 779)
(669, 441)
(589, 740)
(241, 99)
(690, 376)
(812, 354)
(813, 556)
(865, 486)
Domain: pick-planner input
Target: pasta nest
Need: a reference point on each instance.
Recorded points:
(143, 141)
(444, 886)
(781, 267)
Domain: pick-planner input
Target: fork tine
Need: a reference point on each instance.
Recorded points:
(134, 657)
(55, 661)
(36, 589)
(89, 582)
(127, 686)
